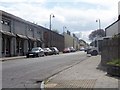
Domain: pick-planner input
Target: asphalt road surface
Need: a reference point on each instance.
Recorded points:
(29, 72)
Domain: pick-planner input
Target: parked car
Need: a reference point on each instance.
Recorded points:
(72, 49)
(92, 51)
(66, 50)
(82, 49)
(35, 52)
(54, 50)
(47, 51)
(86, 49)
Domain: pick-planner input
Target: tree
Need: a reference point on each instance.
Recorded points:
(96, 33)
(55, 30)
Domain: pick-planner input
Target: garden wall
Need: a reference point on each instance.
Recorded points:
(110, 49)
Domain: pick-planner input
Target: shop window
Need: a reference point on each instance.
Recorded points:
(8, 46)
(17, 47)
(21, 47)
(3, 45)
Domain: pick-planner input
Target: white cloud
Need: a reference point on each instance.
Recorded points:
(22, 1)
(75, 19)
(84, 17)
(83, 35)
(100, 2)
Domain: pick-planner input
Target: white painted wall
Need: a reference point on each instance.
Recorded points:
(68, 40)
(119, 8)
(119, 27)
(112, 30)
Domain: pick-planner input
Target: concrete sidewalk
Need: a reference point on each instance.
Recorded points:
(12, 58)
(83, 75)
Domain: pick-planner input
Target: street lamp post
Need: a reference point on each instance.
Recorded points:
(99, 23)
(51, 16)
(64, 27)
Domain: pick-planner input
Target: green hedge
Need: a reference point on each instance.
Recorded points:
(115, 62)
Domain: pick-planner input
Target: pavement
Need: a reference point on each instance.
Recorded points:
(12, 58)
(86, 74)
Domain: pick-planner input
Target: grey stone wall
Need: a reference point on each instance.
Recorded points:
(23, 35)
(0, 45)
(0, 35)
(110, 50)
(19, 28)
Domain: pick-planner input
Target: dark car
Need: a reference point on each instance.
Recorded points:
(35, 52)
(54, 50)
(66, 50)
(47, 51)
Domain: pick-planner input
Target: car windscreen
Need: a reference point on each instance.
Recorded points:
(35, 49)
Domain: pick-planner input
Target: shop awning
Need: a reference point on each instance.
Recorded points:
(33, 39)
(7, 33)
(21, 36)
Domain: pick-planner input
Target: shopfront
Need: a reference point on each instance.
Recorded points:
(7, 38)
(39, 43)
(0, 44)
(21, 44)
(31, 43)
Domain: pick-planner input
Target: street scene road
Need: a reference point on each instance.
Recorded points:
(26, 73)
(67, 44)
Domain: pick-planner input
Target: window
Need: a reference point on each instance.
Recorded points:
(31, 29)
(2, 21)
(5, 22)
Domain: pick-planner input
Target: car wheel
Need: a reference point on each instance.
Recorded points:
(38, 55)
(43, 55)
(27, 56)
(94, 53)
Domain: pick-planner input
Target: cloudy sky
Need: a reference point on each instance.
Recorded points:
(78, 16)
